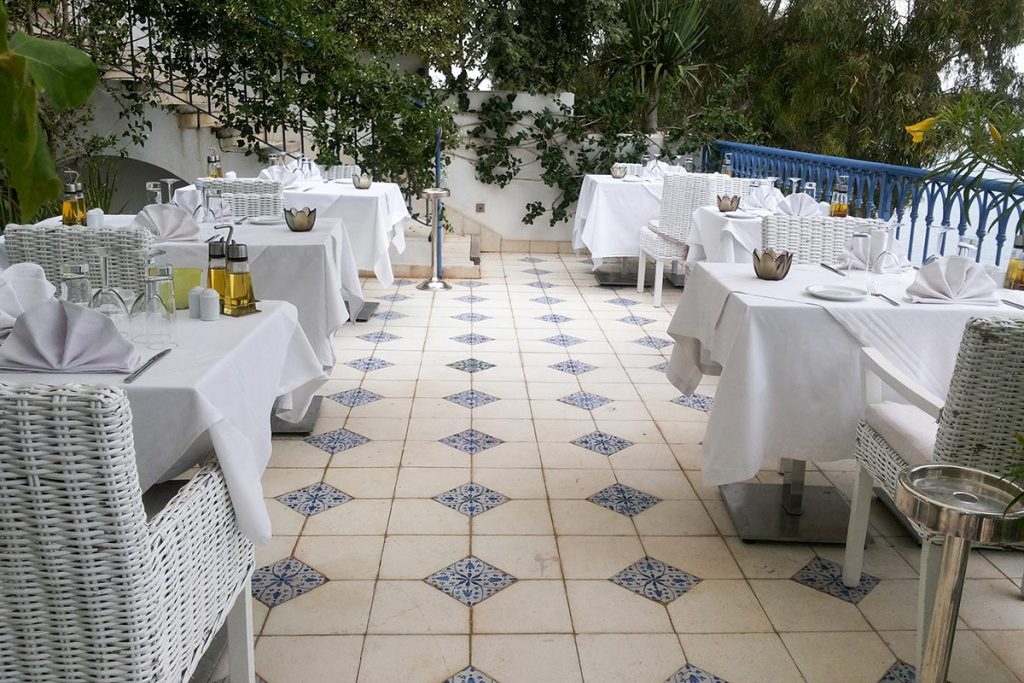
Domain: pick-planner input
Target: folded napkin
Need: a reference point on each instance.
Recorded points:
(799, 204)
(22, 286)
(953, 279)
(296, 167)
(864, 254)
(288, 177)
(762, 197)
(58, 336)
(656, 168)
(169, 223)
(230, 175)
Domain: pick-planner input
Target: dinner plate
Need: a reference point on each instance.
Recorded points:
(266, 220)
(837, 292)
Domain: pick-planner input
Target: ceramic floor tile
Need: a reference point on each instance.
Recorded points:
(335, 608)
(604, 607)
(583, 518)
(427, 482)
(705, 556)
(407, 607)
(598, 557)
(369, 482)
(664, 484)
(516, 483)
(525, 557)
(613, 658)
(971, 660)
(412, 658)
(742, 657)
(310, 659)
(372, 454)
(516, 517)
(427, 517)
(718, 606)
(296, 453)
(525, 607)
(368, 517)
(342, 557)
(794, 607)
(1006, 646)
(991, 604)
(839, 657)
(524, 657)
(574, 484)
(675, 518)
(770, 560)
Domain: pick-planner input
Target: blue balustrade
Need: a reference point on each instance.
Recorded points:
(930, 211)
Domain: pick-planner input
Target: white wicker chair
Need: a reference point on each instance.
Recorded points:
(249, 204)
(814, 239)
(975, 428)
(239, 185)
(53, 246)
(89, 589)
(664, 240)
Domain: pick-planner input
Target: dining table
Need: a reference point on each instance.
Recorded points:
(789, 377)
(727, 236)
(215, 391)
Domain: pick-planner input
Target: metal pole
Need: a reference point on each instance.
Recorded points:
(949, 587)
(436, 281)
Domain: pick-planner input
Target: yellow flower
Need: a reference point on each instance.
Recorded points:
(997, 137)
(918, 130)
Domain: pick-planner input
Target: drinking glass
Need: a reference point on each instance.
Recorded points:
(74, 283)
(170, 183)
(794, 185)
(106, 300)
(153, 187)
(860, 248)
(811, 189)
(152, 318)
(968, 247)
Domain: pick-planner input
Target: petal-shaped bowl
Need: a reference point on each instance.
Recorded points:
(300, 220)
(772, 265)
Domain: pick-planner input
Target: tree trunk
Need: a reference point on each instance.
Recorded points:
(651, 119)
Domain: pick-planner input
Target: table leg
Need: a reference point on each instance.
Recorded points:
(303, 426)
(624, 276)
(366, 312)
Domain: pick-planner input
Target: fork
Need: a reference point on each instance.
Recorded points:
(874, 292)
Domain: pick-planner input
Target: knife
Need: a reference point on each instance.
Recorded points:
(837, 272)
(1014, 304)
(145, 366)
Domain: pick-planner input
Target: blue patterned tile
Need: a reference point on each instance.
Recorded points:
(660, 367)
(537, 271)
(283, 580)
(623, 499)
(899, 672)
(653, 342)
(336, 441)
(355, 397)
(619, 301)
(636, 320)
(471, 339)
(471, 398)
(471, 365)
(656, 580)
(470, 299)
(470, 675)
(600, 442)
(369, 364)
(541, 285)
(471, 441)
(470, 580)
(572, 367)
(693, 674)
(389, 315)
(695, 401)
(314, 499)
(470, 283)
(827, 576)
(471, 317)
(554, 318)
(394, 298)
(379, 337)
(547, 300)
(532, 259)
(585, 400)
(563, 340)
(471, 499)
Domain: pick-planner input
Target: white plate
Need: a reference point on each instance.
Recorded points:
(266, 220)
(837, 292)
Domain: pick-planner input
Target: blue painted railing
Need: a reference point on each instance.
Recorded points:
(927, 208)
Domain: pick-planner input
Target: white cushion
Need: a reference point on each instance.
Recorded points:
(909, 430)
(654, 223)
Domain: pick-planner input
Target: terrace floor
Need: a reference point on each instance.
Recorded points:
(520, 430)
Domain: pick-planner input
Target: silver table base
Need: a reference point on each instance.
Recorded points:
(303, 426)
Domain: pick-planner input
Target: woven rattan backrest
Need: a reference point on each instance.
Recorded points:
(682, 194)
(79, 585)
(813, 239)
(52, 246)
(255, 204)
(985, 404)
(240, 185)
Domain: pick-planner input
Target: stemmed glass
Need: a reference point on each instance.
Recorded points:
(153, 187)
(152, 317)
(794, 185)
(811, 189)
(106, 300)
(170, 183)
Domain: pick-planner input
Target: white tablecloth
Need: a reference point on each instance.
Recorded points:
(373, 218)
(218, 387)
(790, 364)
(721, 238)
(610, 213)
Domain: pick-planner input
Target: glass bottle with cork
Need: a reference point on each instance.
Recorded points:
(839, 207)
(1015, 267)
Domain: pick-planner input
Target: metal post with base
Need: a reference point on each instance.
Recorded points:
(433, 196)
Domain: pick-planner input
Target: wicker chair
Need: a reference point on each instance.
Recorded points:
(249, 204)
(91, 590)
(814, 239)
(976, 426)
(664, 240)
(239, 185)
(54, 245)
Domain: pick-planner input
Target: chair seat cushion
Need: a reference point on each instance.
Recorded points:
(908, 430)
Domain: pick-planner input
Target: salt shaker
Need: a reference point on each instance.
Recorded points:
(194, 305)
(209, 305)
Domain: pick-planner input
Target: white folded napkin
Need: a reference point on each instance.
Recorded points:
(58, 336)
(762, 197)
(288, 177)
(953, 279)
(799, 204)
(168, 222)
(655, 168)
(296, 167)
(22, 286)
(864, 254)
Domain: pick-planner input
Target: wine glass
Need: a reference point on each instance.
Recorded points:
(794, 185)
(811, 189)
(153, 187)
(153, 317)
(170, 183)
(106, 300)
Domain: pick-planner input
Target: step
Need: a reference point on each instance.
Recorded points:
(415, 262)
(197, 119)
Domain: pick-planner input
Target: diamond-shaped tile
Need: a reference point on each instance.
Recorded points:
(532, 259)
(554, 318)
(619, 301)
(660, 367)
(656, 580)
(470, 299)
(283, 580)
(693, 674)
(369, 364)
(541, 285)
(471, 339)
(379, 337)
(471, 317)
(337, 440)
(623, 499)
(470, 283)
(471, 499)
(636, 320)
(471, 441)
(471, 398)
(585, 400)
(471, 365)
(314, 499)
(695, 401)
(537, 271)
(470, 580)
(355, 397)
(653, 342)
(827, 576)
(572, 367)
(899, 672)
(603, 443)
(389, 315)
(395, 297)
(470, 675)
(563, 340)
(547, 300)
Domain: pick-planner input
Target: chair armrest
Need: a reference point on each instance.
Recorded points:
(873, 362)
(205, 561)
